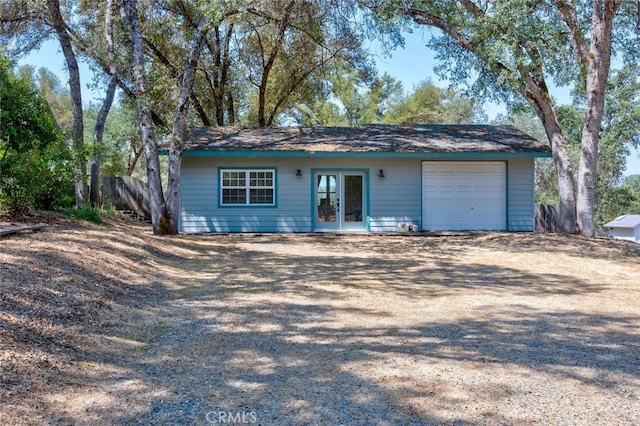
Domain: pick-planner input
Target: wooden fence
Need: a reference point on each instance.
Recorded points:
(127, 193)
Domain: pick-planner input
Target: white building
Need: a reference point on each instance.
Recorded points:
(626, 227)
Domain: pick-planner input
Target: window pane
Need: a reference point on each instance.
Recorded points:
(261, 179)
(234, 196)
(326, 198)
(233, 178)
(261, 196)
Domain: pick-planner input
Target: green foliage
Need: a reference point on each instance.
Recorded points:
(431, 104)
(37, 179)
(35, 162)
(524, 119)
(365, 99)
(54, 92)
(350, 98)
(620, 130)
(24, 115)
(632, 184)
(86, 212)
(108, 210)
(381, 100)
(121, 136)
(546, 182)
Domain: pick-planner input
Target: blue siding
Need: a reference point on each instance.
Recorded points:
(397, 197)
(393, 199)
(199, 199)
(521, 195)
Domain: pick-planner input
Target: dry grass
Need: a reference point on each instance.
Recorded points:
(112, 325)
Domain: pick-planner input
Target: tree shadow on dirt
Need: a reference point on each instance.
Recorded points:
(258, 335)
(249, 326)
(52, 299)
(300, 373)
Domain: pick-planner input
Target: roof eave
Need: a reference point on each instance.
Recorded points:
(368, 154)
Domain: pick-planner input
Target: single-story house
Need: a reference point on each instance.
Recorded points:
(626, 227)
(375, 178)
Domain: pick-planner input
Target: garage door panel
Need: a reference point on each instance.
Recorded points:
(464, 195)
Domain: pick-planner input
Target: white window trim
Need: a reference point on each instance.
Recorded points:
(247, 186)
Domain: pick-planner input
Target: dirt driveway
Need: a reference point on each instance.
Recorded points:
(318, 329)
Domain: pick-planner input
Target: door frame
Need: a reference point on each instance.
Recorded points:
(340, 171)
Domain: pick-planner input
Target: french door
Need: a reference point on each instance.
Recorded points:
(340, 202)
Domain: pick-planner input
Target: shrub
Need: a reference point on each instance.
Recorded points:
(40, 178)
(15, 199)
(86, 212)
(35, 160)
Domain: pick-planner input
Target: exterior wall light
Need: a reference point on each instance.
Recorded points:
(299, 173)
(381, 173)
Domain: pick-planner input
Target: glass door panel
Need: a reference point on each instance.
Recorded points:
(327, 198)
(353, 198)
(340, 202)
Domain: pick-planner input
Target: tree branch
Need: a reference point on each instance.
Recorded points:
(570, 17)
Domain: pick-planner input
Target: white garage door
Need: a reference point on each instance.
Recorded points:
(464, 195)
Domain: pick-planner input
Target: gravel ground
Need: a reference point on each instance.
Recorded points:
(323, 329)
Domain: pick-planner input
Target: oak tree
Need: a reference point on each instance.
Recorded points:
(511, 47)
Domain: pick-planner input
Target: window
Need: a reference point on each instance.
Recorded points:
(247, 187)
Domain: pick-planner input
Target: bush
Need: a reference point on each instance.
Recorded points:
(36, 162)
(15, 199)
(86, 212)
(40, 178)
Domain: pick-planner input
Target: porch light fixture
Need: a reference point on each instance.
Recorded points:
(381, 173)
(299, 173)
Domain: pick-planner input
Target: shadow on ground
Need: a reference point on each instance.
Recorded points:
(343, 330)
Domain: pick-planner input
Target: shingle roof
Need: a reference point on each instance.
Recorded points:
(430, 138)
(625, 221)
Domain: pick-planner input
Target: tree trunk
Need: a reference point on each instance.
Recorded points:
(172, 209)
(154, 183)
(94, 188)
(587, 172)
(594, 62)
(80, 169)
(262, 99)
(94, 179)
(536, 92)
(598, 64)
(231, 110)
(268, 64)
(134, 156)
(224, 77)
(98, 133)
(564, 172)
(218, 89)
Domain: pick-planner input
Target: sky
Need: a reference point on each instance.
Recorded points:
(410, 65)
